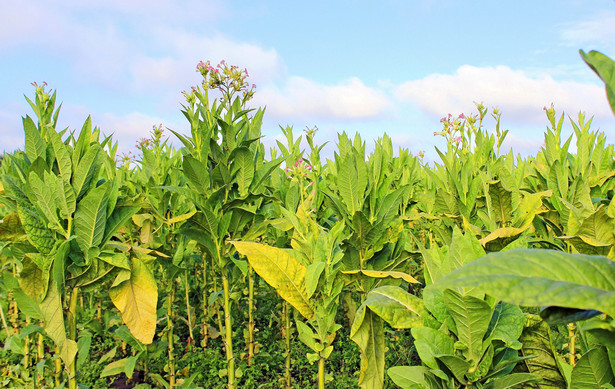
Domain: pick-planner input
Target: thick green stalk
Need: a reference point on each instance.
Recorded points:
(72, 335)
(250, 315)
(321, 373)
(228, 342)
(171, 364)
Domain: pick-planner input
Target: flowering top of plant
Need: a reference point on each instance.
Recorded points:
(228, 79)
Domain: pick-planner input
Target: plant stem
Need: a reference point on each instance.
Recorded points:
(205, 305)
(58, 373)
(72, 335)
(6, 327)
(188, 309)
(321, 373)
(26, 348)
(250, 315)
(571, 343)
(286, 329)
(171, 364)
(228, 342)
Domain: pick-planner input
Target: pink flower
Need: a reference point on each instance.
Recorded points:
(300, 160)
(462, 116)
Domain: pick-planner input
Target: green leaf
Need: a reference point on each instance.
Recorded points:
(120, 215)
(62, 155)
(534, 277)
(429, 343)
(512, 380)
(538, 343)
(396, 306)
(83, 348)
(409, 377)
(605, 69)
(90, 218)
(351, 182)
(280, 270)
(592, 370)
(197, 173)
(45, 199)
(84, 173)
(314, 270)
(472, 317)
(243, 169)
(306, 335)
(507, 324)
(135, 295)
(35, 145)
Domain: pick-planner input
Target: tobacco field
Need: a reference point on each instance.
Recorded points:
(220, 264)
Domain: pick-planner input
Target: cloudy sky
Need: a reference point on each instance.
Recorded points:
(355, 66)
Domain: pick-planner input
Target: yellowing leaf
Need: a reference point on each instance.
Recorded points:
(135, 294)
(280, 270)
(385, 274)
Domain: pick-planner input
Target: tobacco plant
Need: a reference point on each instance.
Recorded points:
(66, 196)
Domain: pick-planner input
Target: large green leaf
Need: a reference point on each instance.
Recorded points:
(535, 277)
(592, 370)
(605, 69)
(352, 182)
(243, 169)
(84, 173)
(472, 317)
(538, 345)
(280, 270)
(35, 145)
(135, 295)
(196, 172)
(409, 377)
(430, 343)
(396, 306)
(512, 381)
(90, 218)
(62, 155)
(45, 198)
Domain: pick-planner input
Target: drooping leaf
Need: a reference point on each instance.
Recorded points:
(605, 69)
(135, 295)
(280, 270)
(367, 332)
(540, 278)
(430, 342)
(384, 274)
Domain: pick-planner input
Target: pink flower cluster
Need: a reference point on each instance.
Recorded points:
(300, 169)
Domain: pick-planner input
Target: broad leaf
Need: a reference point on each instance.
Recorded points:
(541, 277)
(368, 333)
(605, 69)
(135, 295)
(592, 370)
(409, 377)
(90, 218)
(397, 307)
(280, 270)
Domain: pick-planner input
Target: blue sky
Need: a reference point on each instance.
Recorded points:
(372, 67)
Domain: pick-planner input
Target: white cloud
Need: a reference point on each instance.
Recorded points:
(301, 97)
(519, 97)
(598, 30)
